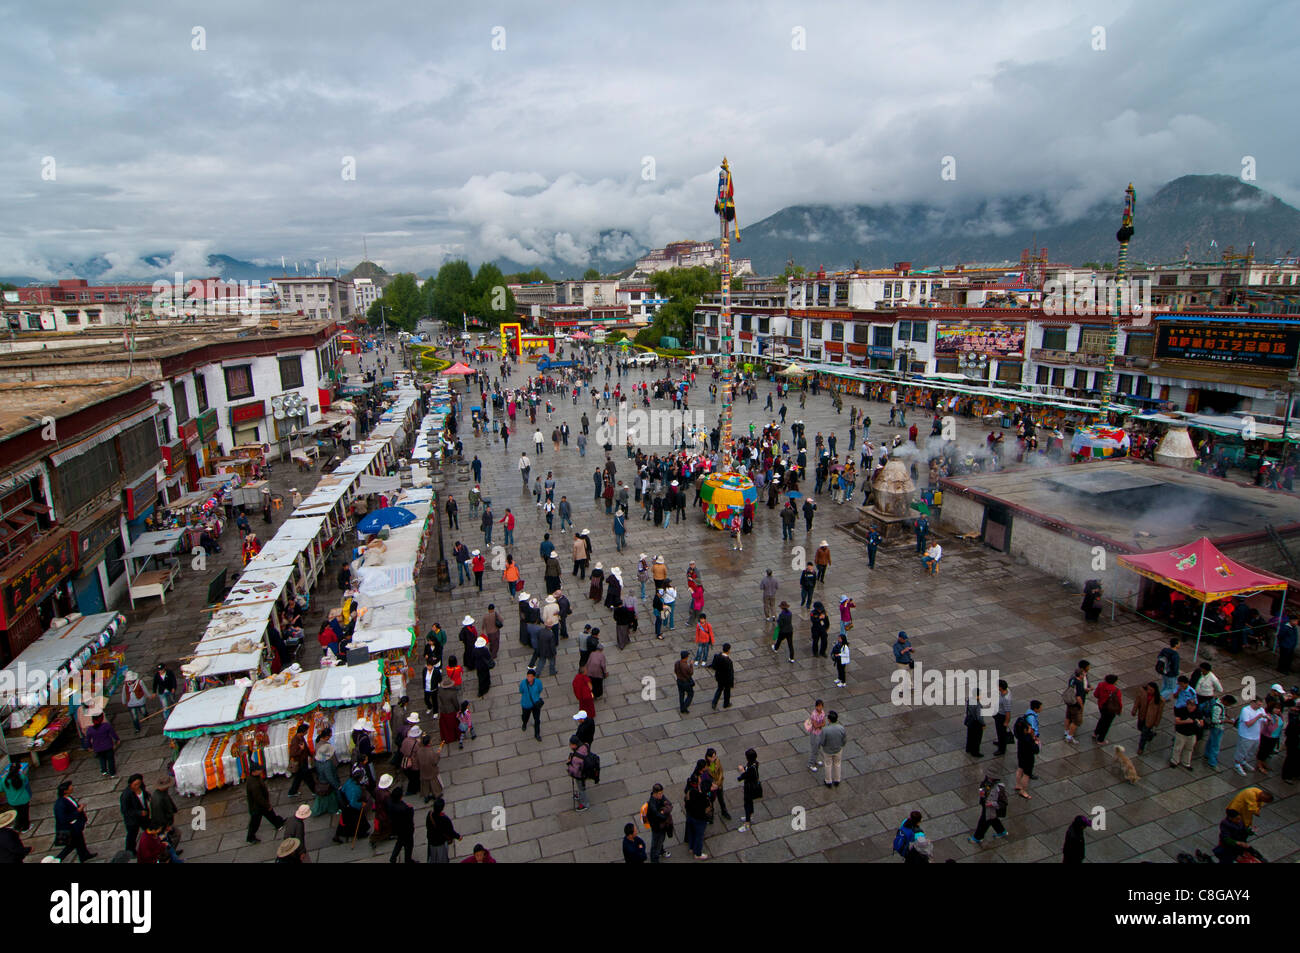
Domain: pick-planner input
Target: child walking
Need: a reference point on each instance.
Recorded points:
(465, 723)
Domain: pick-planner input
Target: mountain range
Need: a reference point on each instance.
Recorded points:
(1197, 215)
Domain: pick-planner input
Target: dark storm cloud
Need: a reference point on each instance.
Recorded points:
(537, 152)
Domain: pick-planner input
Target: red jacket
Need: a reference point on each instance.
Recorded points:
(1104, 691)
(582, 692)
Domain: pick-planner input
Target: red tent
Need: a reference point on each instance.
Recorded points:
(458, 370)
(1199, 570)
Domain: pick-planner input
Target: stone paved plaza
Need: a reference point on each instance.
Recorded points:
(981, 611)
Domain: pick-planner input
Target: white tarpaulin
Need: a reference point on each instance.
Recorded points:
(213, 706)
(377, 484)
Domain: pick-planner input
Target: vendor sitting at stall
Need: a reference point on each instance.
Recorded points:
(252, 546)
(331, 634)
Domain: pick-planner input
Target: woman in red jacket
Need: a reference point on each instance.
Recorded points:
(1111, 704)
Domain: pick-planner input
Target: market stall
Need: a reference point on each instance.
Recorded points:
(152, 548)
(1200, 572)
(70, 665)
(229, 729)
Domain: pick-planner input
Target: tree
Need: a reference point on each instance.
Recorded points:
(527, 277)
(792, 270)
(591, 274)
(492, 301)
(452, 294)
(400, 304)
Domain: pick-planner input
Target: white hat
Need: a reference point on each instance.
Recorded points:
(51, 859)
(1275, 687)
(585, 532)
(844, 598)
(385, 782)
(642, 556)
(468, 620)
(824, 543)
(96, 712)
(600, 566)
(474, 552)
(132, 676)
(533, 603)
(523, 597)
(303, 812)
(363, 725)
(674, 483)
(412, 719)
(414, 732)
(659, 560)
(480, 643)
(617, 573)
(550, 600)
(580, 716)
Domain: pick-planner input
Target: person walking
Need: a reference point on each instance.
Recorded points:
(974, 722)
(724, 674)
(1148, 706)
(807, 586)
(1188, 724)
(425, 758)
(258, 796)
(1002, 719)
(439, 832)
(698, 809)
(993, 802)
(1250, 723)
(751, 787)
(704, 638)
(70, 824)
(659, 815)
(684, 674)
(1072, 851)
(300, 760)
(103, 740)
(1216, 720)
(164, 686)
(578, 770)
(873, 543)
(1025, 731)
(768, 586)
(1167, 662)
(822, 560)
(18, 794)
(840, 656)
(1110, 703)
(134, 805)
(530, 700)
(401, 821)
(1074, 696)
(833, 739)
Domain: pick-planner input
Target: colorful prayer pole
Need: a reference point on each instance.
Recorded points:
(1123, 236)
(725, 208)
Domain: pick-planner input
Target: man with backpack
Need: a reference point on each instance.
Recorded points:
(582, 765)
(993, 807)
(1167, 668)
(1025, 733)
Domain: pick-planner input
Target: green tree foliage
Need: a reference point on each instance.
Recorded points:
(452, 294)
(591, 274)
(400, 304)
(493, 302)
(527, 277)
(683, 287)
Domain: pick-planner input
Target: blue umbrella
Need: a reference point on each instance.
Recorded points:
(389, 517)
(794, 494)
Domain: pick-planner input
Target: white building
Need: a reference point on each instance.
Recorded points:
(316, 296)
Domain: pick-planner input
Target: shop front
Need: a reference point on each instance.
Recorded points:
(35, 591)
(99, 580)
(140, 497)
(246, 422)
(208, 425)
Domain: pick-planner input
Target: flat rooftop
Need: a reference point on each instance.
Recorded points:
(25, 404)
(1138, 504)
(159, 341)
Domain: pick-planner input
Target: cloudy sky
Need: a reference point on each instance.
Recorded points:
(529, 131)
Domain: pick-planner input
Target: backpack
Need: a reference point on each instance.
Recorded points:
(1020, 728)
(902, 841)
(591, 767)
(1002, 800)
(1160, 664)
(1070, 694)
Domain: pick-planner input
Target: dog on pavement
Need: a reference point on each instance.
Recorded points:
(1126, 766)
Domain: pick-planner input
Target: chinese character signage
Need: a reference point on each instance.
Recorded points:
(1228, 344)
(993, 339)
(26, 587)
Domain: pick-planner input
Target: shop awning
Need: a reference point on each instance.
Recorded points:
(1199, 570)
